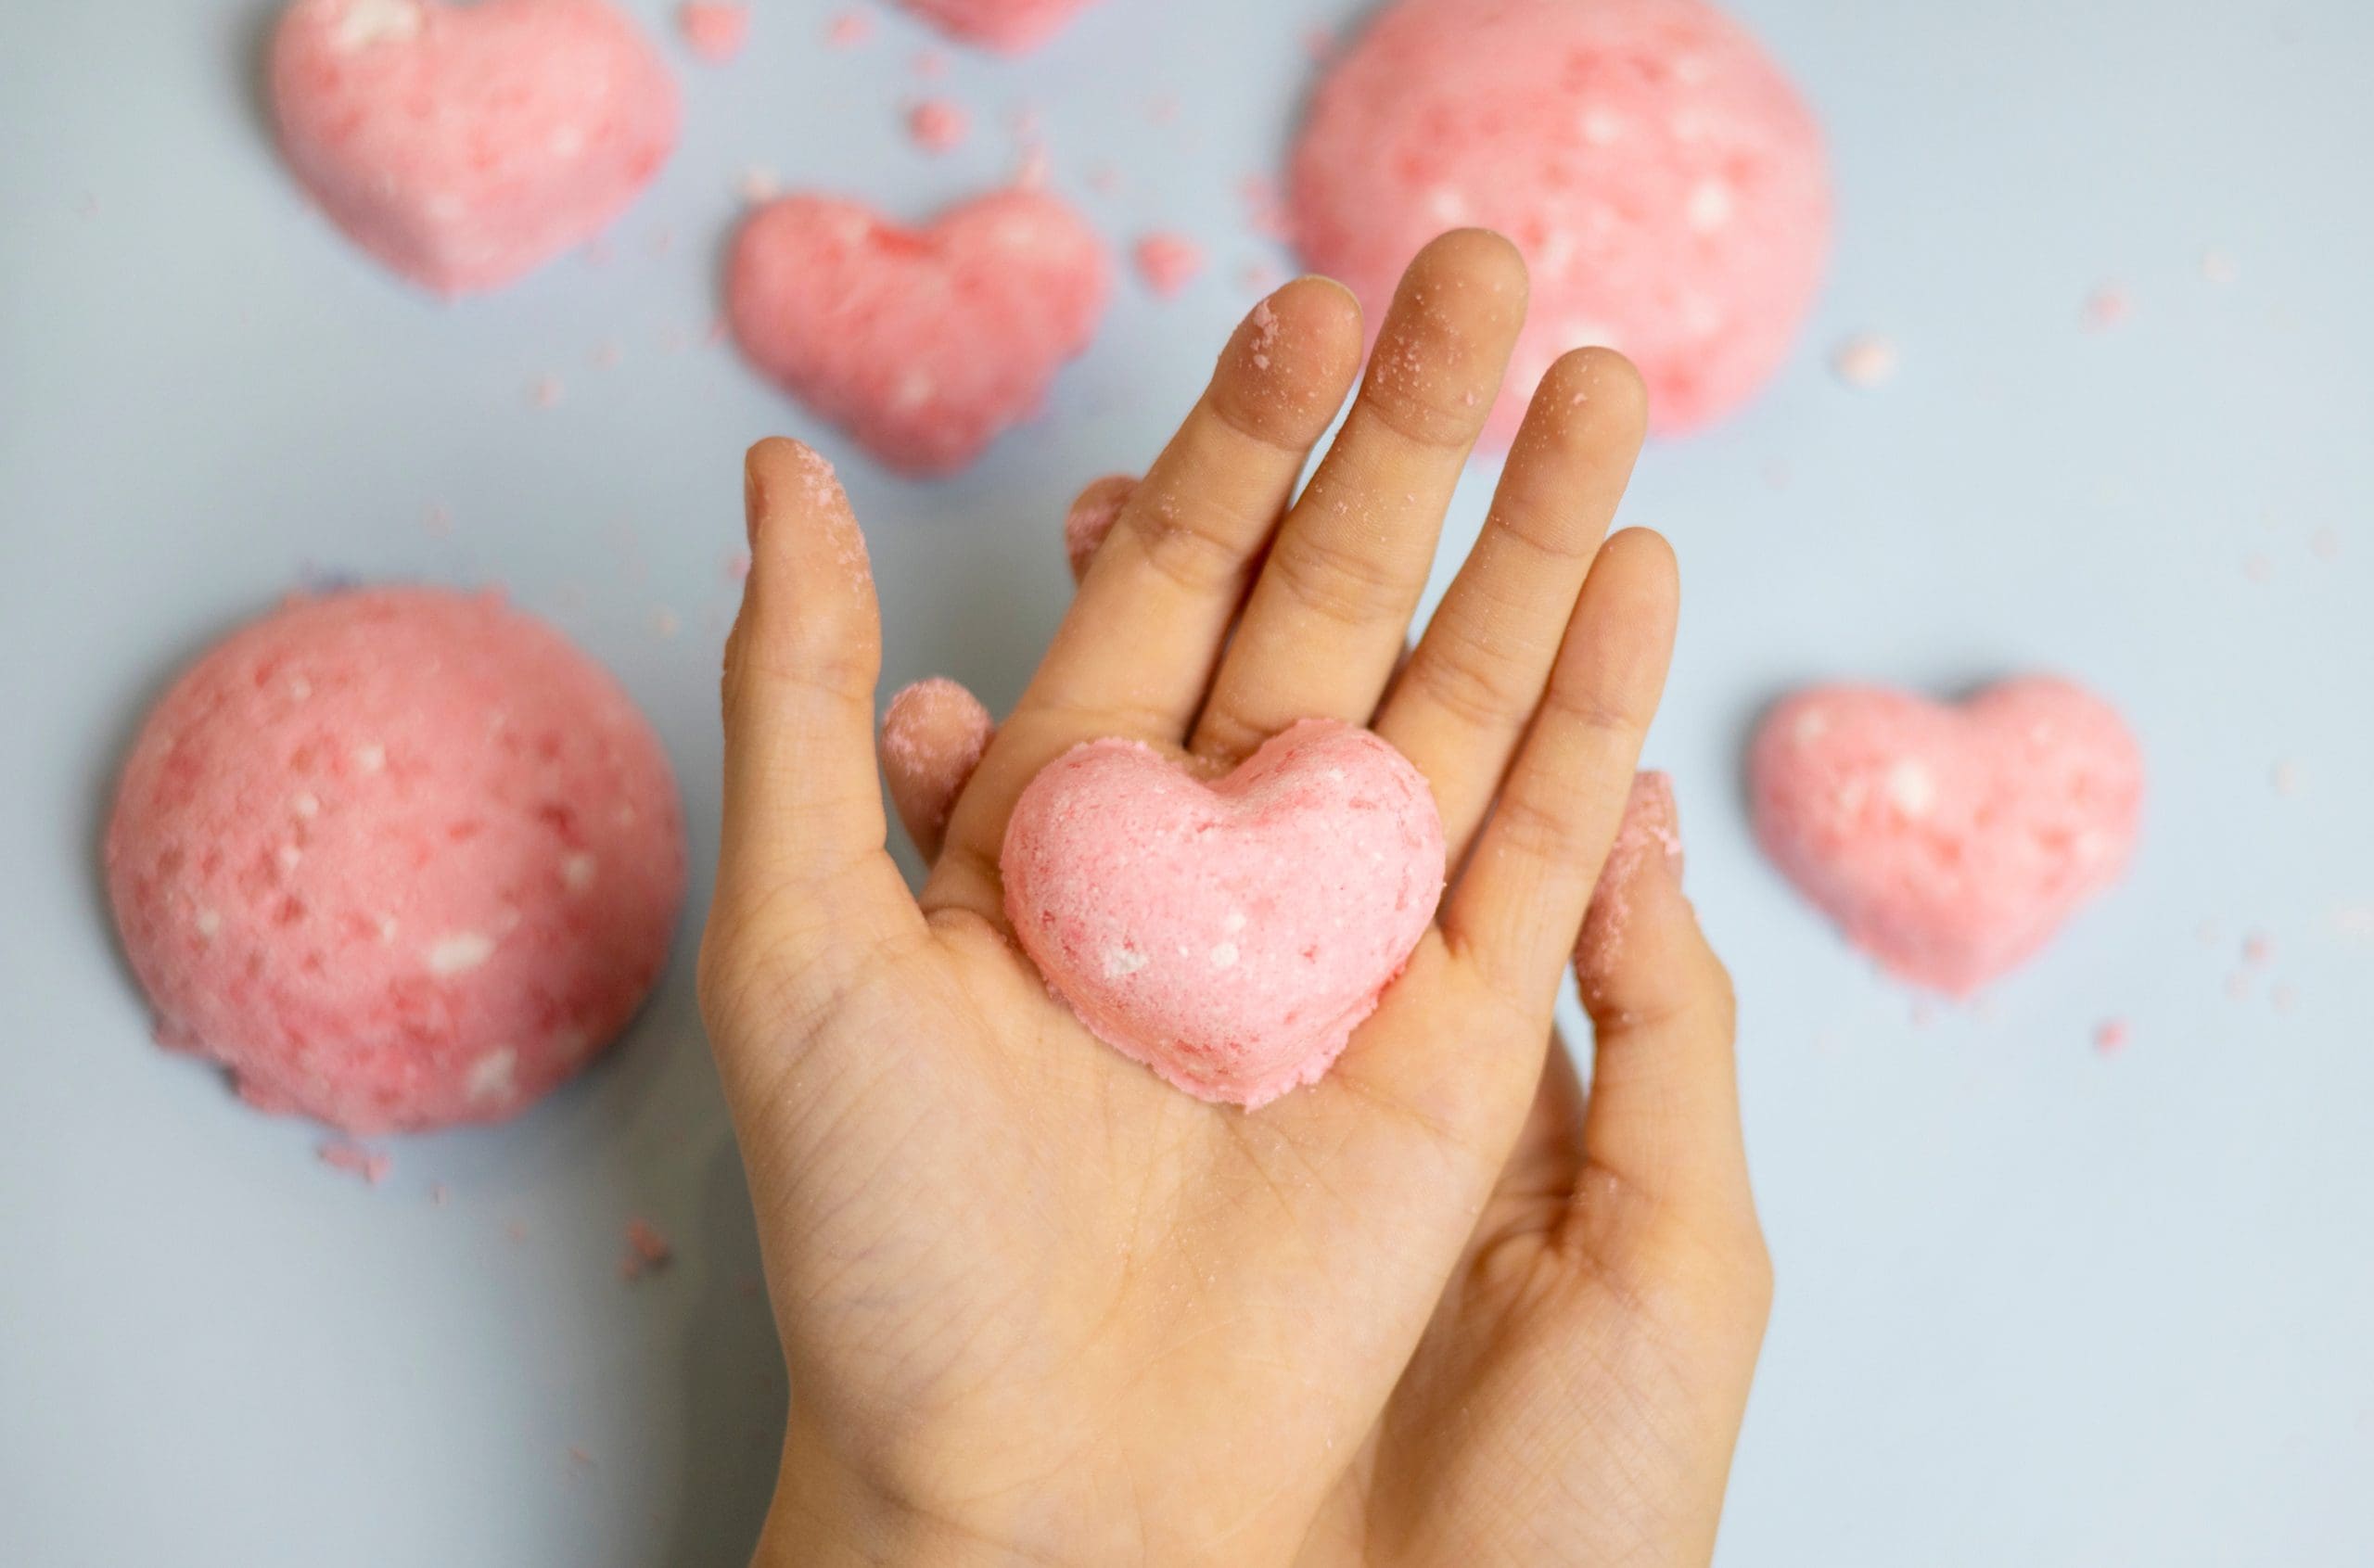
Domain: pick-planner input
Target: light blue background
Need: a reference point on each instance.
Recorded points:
(2037, 1306)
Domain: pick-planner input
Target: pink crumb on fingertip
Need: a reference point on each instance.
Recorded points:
(1167, 262)
(355, 1160)
(648, 1251)
(937, 125)
(1651, 823)
(714, 30)
(2111, 1036)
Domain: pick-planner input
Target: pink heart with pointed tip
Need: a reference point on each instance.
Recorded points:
(466, 146)
(1949, 842)
(1228, 935)
(1008, 25)
(925, 344)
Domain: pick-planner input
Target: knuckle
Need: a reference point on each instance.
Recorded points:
(1475, 687)
(1195, 545)
(1345, 585)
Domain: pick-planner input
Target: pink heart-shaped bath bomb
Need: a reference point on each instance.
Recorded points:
(1951, 842)
(466, 146)
(1009, 25)
(1228, 935)
(925, 344)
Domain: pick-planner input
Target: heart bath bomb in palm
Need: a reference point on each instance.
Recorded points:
(1951, 842)
(466, 146)
(1229, 936)
(925, 344)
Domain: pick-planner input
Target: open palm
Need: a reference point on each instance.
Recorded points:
(1036, 1305)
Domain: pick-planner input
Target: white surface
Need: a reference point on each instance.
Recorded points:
(2036, 1306)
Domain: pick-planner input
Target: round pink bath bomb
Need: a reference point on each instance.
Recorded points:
(1665, 182)
(1231, 936)
(1011, 26)
(398, 859)
(466, 146)
(1949, 842)
(925, 344)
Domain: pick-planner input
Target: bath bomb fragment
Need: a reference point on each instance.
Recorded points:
(466, 146)
(1232, 936)
(398, 859)
(1010, 25)
(1666, 185)
(1949, 842)
(714, 30)
(925, 344)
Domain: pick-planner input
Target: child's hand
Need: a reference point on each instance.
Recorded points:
(1035, 1304)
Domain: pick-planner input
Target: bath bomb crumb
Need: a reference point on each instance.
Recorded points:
(547, 391)
(2220, 267)
(1866, 362)
(1664, 181)
(647, 1251)
(466, 146)
(1948, 842)
(341, 860)
(1167, 262)
(370, 1165)
(2111, 1036)
(715, 33)
(2107, 307)
(848, 30)
(937, 125)
(1229, 937)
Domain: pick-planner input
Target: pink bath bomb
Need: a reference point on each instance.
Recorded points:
(464, 146)
(925, 344)
(1008, 25)
(398, 859)
(1949, 842)
(1665, 182)
(1231, 936)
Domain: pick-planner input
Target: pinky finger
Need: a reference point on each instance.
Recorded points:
(933, 735)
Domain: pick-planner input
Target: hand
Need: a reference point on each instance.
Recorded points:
(1035, 1303)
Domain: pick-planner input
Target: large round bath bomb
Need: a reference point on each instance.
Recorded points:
(1665, 182)
(465, 146)
(925, 344)
(1949, 842)
(398, 859)
(1229, 936)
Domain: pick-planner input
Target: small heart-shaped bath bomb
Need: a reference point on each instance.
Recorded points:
(925, 344)
(1667, 184)
(1228, 935)
(1008, 25)
(1951, 842)
(466, 146)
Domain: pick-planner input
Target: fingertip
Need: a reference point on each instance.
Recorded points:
(1094, 512)
(1290, 363)
(1596, 392)
(934, 734)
